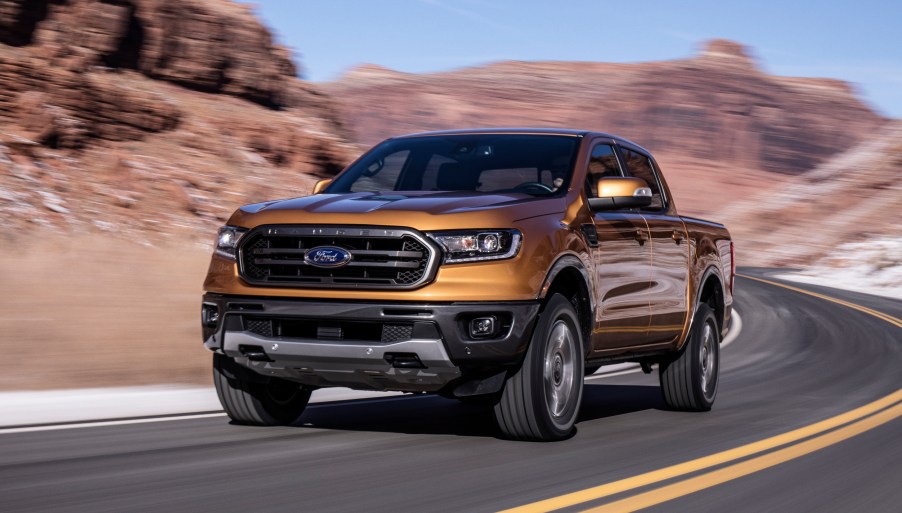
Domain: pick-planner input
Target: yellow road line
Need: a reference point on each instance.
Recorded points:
(623, 485)
(720, 476)
(880, 315)
(655, 476)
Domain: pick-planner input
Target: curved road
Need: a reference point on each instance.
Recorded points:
(798, 360)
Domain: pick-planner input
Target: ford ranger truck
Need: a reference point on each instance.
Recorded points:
(499, 266)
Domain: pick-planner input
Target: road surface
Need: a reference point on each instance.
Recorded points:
(798, 361)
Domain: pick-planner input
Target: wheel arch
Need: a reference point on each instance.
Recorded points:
(570, 278)
(711, 293)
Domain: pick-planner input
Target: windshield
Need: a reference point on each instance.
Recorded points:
(538, 165)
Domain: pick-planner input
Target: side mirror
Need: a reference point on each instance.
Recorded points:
(616, 192)
(321, 185)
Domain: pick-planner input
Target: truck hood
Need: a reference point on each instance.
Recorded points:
(423, 210)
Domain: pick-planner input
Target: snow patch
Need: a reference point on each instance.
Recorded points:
(81, 405)
(871, 267)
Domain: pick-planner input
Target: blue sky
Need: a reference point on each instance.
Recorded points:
(860, 42)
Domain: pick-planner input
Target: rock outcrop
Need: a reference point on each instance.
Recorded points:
(151, 116)
(718, 105)
(211, 46)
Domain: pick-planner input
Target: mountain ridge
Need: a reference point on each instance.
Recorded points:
(778, 124)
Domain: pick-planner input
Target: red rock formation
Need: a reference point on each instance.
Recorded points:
(208, 45)
(190, 103)
(18, 19)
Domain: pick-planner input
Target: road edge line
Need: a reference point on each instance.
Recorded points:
(107, 423)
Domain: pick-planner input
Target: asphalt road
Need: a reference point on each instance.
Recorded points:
(798, 360)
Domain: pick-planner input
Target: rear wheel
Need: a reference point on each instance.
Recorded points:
(689, 381)
(541, 401)
(255, 400)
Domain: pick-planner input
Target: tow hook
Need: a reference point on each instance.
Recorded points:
(254, 353)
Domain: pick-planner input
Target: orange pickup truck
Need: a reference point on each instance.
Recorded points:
(498, 265)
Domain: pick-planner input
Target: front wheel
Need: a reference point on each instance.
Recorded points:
(257, 401)
(542, 399)
(689, 381)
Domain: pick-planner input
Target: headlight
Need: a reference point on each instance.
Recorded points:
(227, 241)
(478, 245)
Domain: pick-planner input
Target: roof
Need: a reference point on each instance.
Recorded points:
(521, 130)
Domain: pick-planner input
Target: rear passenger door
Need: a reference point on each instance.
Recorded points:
(622, 258)
(669, 287)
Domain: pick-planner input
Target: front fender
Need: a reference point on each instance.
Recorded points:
(569, 260)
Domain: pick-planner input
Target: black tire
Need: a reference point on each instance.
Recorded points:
(689, 381)
(258, 401)
(541, 400)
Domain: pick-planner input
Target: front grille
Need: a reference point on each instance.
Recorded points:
(396, 332)
(380, 258)
(318, 329)
(259, 326)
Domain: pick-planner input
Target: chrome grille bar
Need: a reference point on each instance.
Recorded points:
(381, 258)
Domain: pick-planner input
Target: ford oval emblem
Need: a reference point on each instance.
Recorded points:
(327, 256)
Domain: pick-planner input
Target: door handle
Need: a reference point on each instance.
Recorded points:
(677, 236)
(641, 236)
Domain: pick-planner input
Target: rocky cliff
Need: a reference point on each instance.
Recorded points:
(718, 106)
(151, 116)
(211, 46)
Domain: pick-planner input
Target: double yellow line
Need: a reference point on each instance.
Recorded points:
(810, 438)
(880, 315)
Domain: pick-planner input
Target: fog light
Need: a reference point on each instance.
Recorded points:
(482, 327)
(209, 315)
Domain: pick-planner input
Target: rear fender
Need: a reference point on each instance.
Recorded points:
(710, 271)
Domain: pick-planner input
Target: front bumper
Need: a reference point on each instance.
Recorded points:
(416, 347)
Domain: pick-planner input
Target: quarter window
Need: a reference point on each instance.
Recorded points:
(640, 166)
